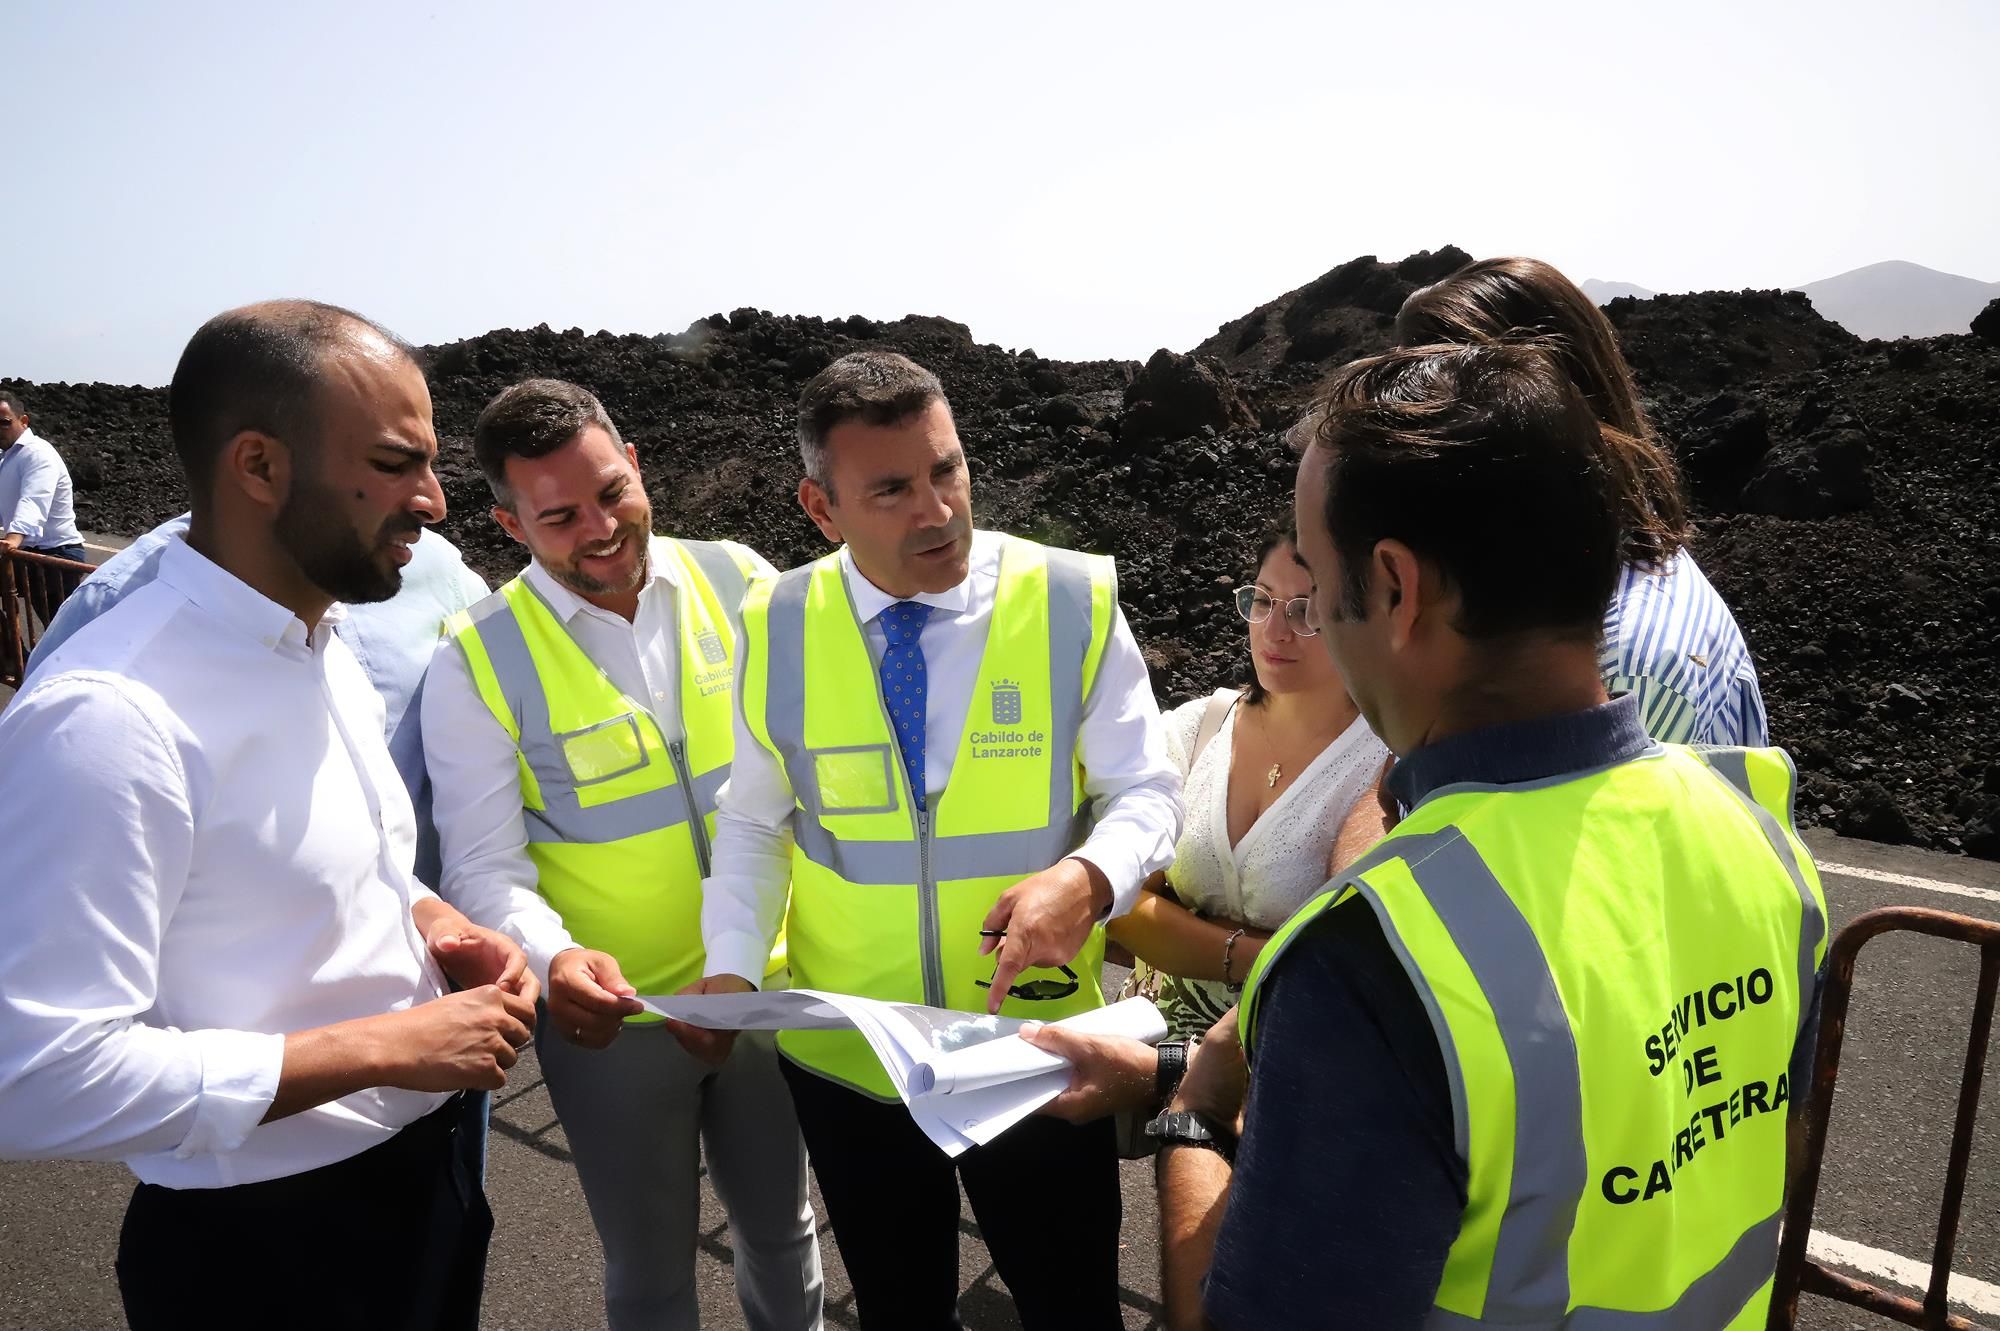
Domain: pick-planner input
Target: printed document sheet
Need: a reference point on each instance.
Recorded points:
(966, 1077)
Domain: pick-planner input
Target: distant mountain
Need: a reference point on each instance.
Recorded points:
(1898, 299)
(1603, 293)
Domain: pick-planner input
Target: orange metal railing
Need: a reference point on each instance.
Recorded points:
(31, 588)
(1797, 1272)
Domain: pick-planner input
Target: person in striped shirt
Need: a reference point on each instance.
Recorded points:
(1669, 638)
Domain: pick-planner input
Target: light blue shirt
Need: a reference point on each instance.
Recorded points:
(1670, 640)
(393, 640)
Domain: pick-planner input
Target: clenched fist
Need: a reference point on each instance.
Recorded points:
(462, 1041)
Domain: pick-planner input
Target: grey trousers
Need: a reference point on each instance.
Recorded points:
(639, 1116)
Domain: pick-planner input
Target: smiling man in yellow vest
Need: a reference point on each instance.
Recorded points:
(578, 724)
(948, 748)
(1528, 1062)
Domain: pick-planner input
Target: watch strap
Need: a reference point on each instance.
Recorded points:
(1171, 1068)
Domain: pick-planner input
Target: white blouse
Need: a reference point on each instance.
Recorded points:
(1278, 866)
(1280, 863)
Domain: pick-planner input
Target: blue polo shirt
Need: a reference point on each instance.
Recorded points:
(1348, 1185)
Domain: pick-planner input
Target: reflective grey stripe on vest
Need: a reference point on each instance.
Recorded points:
(976, 855)
(724, 574)
(1529, 1284)
(563, 817)
(1713, 1300)
(1390, 848)
(1530, 1279)
(1733, 766)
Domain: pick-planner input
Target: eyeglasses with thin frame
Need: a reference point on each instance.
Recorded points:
(1255, 605)
(1040, 991)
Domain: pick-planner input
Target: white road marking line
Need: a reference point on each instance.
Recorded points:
(1910, 880)
(1860, 1259)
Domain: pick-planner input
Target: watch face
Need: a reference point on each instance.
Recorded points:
(1182, 1126)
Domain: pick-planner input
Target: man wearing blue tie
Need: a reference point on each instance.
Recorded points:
(947, 748)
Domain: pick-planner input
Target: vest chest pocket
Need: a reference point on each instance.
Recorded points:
(854, 779)
(602, 751)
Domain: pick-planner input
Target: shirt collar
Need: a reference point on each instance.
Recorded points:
(870, 600)
(568, 605)
(28, 436)
(235, 602)
(1521, 751)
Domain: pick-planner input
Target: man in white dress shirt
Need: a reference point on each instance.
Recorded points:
(37, 510)
(948, 750)
(591, 854)
(37, 507)
(224, 973)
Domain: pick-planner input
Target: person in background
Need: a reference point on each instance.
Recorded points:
(37, 507)
(224, 972)
(1669, 639)
(391, 640)
(578, 725)
(949, 771)
(1272, 773)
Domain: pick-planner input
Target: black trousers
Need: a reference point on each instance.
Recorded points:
(392, 1238)
(1045, 1193)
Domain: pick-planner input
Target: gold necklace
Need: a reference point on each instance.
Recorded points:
(1271, 777)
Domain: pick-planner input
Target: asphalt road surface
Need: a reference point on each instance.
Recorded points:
(1876, 1216)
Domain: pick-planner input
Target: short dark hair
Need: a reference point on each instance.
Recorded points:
(874, 387)
(258, 368)
(1515, 296)
(1487, 460)
(533, 418)
(13, 401)
(1279, 532)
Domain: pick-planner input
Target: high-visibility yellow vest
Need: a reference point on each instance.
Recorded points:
(888, 900)
(1617, 966)
(618, 816)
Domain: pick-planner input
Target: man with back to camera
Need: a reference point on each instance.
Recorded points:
(947, 746)
(249, 1008)
(1669, 637)
(577, 722)
(1472, 1037)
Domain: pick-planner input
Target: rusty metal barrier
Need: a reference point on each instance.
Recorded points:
(32, 587)
(1796, 1272)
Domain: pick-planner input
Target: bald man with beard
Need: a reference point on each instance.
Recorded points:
(222, 970)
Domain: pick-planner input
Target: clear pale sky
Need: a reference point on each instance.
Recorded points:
(1086, 179)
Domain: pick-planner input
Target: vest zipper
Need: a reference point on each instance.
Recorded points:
(931, 952)
(677, 750)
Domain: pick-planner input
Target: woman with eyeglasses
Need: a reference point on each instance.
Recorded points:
(1272, 771)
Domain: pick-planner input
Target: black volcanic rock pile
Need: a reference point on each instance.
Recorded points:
(1846, 489)
(1287, 345)
(1850, 501)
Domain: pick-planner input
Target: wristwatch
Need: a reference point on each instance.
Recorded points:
(1181, 1127)
(1168, 1071)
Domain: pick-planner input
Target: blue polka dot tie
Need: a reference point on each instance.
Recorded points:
(903, 685)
